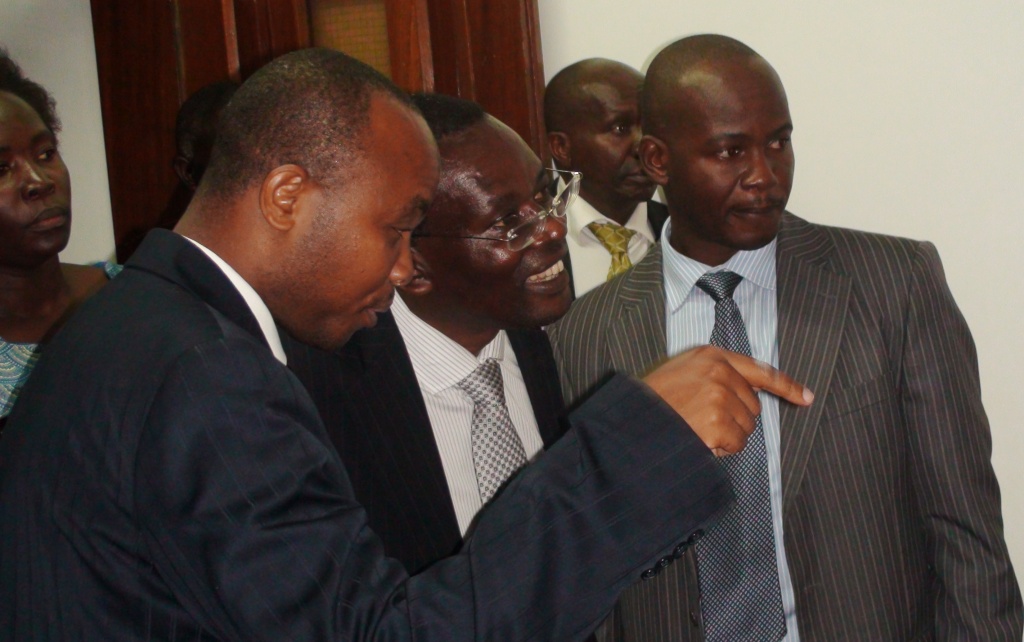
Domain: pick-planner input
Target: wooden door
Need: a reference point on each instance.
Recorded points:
(153, 54)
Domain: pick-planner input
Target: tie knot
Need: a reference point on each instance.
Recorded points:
(613, 236)
(720, 285)
(484, 385)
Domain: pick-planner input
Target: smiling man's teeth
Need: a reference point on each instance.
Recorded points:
(547, 274)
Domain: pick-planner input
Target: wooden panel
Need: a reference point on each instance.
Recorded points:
(268, 28)
(452, 48)
(412, 64)
(204, 34)
(153, 54)
(150, 56)
(490, 52)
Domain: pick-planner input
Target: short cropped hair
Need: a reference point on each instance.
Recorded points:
(13, 81)
(310, 108)
(197, 115)
(447, 115)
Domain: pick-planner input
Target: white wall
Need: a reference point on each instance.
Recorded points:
(52, 41)
(909, 120)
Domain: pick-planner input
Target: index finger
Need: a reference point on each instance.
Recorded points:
(762, 376)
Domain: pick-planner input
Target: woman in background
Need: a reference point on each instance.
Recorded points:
(37, 291)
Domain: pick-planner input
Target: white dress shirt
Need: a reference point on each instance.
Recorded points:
(440, 363)
(690, 314)
(256, 305)
(590, 259)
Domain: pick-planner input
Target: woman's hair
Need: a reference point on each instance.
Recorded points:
(13, 81)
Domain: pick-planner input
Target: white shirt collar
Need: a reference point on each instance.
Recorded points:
(439, 361)
(681, 272)
(256, 305)
(583, 214)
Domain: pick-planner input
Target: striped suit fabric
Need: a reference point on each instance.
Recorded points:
(891, 508)
(372, 407)
(164, 477)
(657, 214)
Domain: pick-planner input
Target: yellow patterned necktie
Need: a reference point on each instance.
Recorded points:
(615, 239)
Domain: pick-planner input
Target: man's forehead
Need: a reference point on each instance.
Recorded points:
(487, 143)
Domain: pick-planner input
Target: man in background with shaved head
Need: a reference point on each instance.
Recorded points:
(873, 515)
(592, 115)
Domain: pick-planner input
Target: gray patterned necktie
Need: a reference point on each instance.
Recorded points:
(497, 450)
(739, 574)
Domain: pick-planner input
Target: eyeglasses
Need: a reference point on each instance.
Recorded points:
(557, 190)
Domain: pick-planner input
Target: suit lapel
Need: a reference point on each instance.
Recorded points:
(812, 304)
(637, 334)
(567, 265)
(536, 362)
(657, 214)
(381, 388)
(173, 257)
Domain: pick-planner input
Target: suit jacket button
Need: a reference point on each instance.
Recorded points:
(694, 618)
(649, 573)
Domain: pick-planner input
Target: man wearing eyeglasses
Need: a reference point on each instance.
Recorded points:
(488, 274)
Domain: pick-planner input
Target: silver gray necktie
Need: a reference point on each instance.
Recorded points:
(739, 574)
(497, 450)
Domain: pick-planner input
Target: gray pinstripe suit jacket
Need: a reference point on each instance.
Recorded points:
(890, 506)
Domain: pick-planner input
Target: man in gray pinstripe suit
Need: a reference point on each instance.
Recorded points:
(885, 508)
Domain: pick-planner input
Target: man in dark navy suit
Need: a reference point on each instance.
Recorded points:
(165, 476)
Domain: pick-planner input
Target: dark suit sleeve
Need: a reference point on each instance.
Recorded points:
(249, 518)
(978, 597)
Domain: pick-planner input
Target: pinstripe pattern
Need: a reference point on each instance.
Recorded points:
(440, 364)
(657, 214)
(165, 478)
(891, 508)
(591, 257)
(691, 318)
(370, 399)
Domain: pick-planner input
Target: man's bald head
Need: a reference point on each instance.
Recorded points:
(717, 135)
(308, 108)
(592, 114)
(570, 93)
(687, 62)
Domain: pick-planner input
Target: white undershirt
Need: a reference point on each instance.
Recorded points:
(439, 364)
(256, 305)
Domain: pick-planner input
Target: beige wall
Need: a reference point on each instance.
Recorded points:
(908, 121)
(52, 41)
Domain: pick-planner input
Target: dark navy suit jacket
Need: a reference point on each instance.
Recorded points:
(373, 409)
(164, 477)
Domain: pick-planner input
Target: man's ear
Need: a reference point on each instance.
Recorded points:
(281, 194)
(561, 148)
(421, 282)
(183, 168)
(654, 157)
